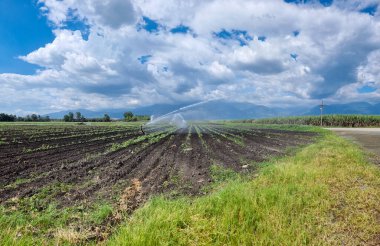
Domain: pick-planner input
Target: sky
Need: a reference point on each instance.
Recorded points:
(99, 54)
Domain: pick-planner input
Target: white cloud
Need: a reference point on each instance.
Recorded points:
(220, 70)
(110, 13)
(336, 50)
(369, 72)
(53, 55)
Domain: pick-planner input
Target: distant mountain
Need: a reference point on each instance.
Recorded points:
(158, 109)
(213, 110)
(85, 112)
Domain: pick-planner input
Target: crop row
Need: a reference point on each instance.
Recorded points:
(327, 120)
(38, 137)
(73, 143)
(198, 130)
(229, 136)
(149, 138)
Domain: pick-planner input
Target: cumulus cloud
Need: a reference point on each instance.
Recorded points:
(111, 13)
(266, 52)
(53, 54)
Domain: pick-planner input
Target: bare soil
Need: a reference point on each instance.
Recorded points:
(38, 157)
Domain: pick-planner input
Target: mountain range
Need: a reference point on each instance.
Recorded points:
(227, 110)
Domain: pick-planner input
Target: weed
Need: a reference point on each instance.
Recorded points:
(220, 174)
(18, 182)
(101, 212)
(3, 141)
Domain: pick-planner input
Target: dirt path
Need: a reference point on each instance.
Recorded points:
(368, 138)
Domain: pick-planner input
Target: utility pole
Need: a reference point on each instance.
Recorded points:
(321, 107)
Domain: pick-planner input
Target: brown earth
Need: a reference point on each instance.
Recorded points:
(80, 158)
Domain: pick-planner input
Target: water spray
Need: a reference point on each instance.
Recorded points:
(169, 120)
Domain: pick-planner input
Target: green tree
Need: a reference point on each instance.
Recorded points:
(128, 116)
(34, 117)
(106, 118)
(78, 116)
(7, 117)
(66, 118)
(71, 116)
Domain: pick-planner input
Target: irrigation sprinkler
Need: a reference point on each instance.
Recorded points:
(321, 107)
(142, 130)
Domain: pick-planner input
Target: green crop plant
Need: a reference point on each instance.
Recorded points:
(3, 141)
(200, 135)
(151, 138)
(187, 144)
(236, 139)
(18, 182)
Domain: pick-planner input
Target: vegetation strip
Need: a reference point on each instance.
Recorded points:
(152, 138)
(328, 120)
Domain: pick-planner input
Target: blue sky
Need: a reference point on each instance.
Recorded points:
(22, 30)
(64, 54)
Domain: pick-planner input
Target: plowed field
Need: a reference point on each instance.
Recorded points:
(91, 163)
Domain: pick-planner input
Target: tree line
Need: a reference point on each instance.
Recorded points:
(71, 117)
(29, 118)
(78, 117)
(129, 116)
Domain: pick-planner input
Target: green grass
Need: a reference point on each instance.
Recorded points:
(284, 127)
(101, 212)
(26, 222)
(327, 194)
(220, 174)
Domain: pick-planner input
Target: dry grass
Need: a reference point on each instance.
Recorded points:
(69, 236)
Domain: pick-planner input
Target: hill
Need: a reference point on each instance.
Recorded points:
(219, 109)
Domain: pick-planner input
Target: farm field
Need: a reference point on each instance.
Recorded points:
(84, 178)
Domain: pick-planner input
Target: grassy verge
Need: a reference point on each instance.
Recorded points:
(38, 220)
(327, 194)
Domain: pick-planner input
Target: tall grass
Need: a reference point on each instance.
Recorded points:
(327, 194)
(328, 120)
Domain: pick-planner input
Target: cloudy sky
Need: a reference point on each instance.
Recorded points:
(96, 54)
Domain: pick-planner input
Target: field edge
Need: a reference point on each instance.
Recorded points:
(311, 198)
